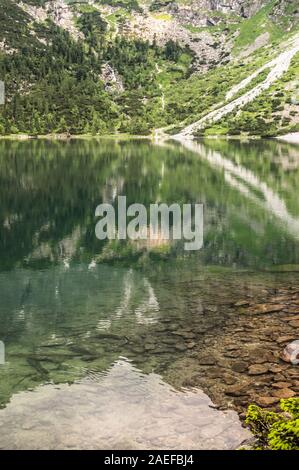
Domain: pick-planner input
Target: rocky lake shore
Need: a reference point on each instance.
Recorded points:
(246, 363)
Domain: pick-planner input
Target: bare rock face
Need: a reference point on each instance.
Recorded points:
(38, 13)
(244, 8)
(185, 22)
(62, 15)
(285, 5)
(207, 49)
(58, 11)
(112, 79)
(206, 12)
(4, 47)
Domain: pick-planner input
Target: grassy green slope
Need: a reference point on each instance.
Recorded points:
(275, 111)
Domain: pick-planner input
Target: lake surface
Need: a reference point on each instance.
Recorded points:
(120, 344)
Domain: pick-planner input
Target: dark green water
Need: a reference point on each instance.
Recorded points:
(97, 326)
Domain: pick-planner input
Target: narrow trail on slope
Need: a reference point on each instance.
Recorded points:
(278, 67)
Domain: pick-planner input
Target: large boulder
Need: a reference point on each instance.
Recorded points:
(291, 353)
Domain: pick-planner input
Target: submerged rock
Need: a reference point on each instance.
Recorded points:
(284, 339)
(180, 347)
(258, 369)
(267, 401)
(284, 393)
(236, 390)
(239, 367)
(266, 308)
(207, 361)
(282, 385)
(241, 303)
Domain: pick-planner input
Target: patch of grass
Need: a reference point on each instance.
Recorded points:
(162, 16)
(117, 16)
(129, 5)
(85, 8)
(194, 29)
(216, 130)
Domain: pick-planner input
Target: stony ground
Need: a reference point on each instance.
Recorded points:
(244, 363)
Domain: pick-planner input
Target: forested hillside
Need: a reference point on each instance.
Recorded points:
(107, 66)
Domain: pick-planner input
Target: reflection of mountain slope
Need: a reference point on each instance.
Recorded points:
(77, 293)
(249, 184)
(146, 312)
(49, 192)
(60, 325)
(54, 317)
(53, 216)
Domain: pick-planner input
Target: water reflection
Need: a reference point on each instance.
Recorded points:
(71, 305)
(120, 409)
(147, 311)
(49, 192)
(249, 185)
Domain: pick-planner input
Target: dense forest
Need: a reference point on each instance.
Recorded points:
(58, 87)
(55, 81)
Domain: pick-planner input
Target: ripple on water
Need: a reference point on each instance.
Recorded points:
(121, 409)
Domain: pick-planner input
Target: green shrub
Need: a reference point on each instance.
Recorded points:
(275, 431)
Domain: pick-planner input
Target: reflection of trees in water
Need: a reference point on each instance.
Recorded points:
(53, 299)
(49, 192)
(53, 319)
(75, 316)
(147, 310)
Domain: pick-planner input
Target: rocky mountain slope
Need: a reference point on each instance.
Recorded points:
(276, 69)
(99, 66)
